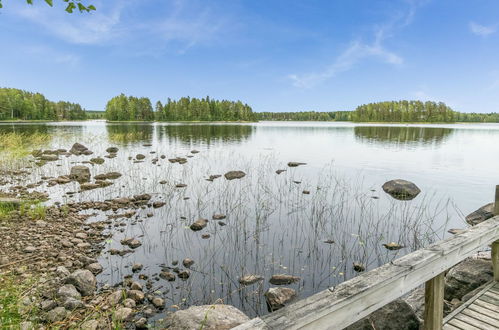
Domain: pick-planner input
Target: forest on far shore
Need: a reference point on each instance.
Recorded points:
(16, 104)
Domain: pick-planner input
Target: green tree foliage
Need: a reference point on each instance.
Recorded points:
(305, 116)
(23, 105)
(71, 5)
(405, 111)
(123, 108)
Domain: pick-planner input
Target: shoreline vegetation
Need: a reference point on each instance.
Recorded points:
(23, 106)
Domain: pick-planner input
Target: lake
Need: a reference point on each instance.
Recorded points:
(313, 221)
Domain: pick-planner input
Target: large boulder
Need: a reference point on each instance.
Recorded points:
(84, 281)
(401, 189)
(79, 149)
(207, 317)
(80, 173)
(467, 276)
(397, 315)
(484, 213)
(277, 298)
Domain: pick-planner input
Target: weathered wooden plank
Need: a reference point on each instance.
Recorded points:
(462, 325)
(490, 300)
(494, 289)
(482, 317)
(484, 311)
(450, 327)
(470, 301)
(340, 306)
(434, 303)
(496, 201)
(473, 321)
(486, 305)
(492, 295)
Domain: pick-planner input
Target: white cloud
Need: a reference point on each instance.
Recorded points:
(358, 50)
(482, 30)
(48, 54)
(179, 24)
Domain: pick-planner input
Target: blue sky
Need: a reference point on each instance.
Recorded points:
(276, 55)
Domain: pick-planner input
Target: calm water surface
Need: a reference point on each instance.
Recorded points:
(271, 226)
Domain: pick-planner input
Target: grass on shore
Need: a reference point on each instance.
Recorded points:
(15, 303)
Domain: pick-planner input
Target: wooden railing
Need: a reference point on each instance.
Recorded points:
(350, 301)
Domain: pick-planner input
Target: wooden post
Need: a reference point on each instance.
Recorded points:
(495, 245)
(434, 303)
(496, 201)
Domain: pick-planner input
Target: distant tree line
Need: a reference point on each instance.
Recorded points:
(22, 105)
(126, 108)
(123, 108)
(405, 111)
(305, 116)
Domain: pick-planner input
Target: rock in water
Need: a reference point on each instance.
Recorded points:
(396, 315)
(80, 173)
(401, 189)
(295, 164)
(97, 160)
(199, 224)
(187, 262)
(393, 246)
(484, 213)
(84, 281)
(467, 276)
(79, 149)
(358, 267)
(231, 175)
(277, 298)
(250, 279)
(283, 279)
(112, 150)
(208, 317)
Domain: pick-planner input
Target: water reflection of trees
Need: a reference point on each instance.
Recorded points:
(26, 129)
(402, 135)
(130, 132)
(205, 133)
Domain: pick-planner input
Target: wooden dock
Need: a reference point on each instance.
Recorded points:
(479, 312)
(340, 306)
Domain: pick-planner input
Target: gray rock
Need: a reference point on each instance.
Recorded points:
(136, 295)
(295, 164)
(80, 173)
(158, 302)
(250, 279)
(130, 303)
(47, 305)
(136, 286)
(79, 149)
(277, 298)
(112, 150)
(95, 268)
(62, 271)
(115, 298)
(401, 189)
(89, 186)
(397, 315)
(467, 276)
(68, 291)
(123, 314)
(283, 279)
(84, 281)
(199, 224)
(97, 160)
(26, 325)
(141, 323)
(29, 249)
(208, 317)
(58, 314)
(188, 262)
(49, 158)
(137, 267)
(71, 304)
(90, 325)
(231, 175)
(484, 213)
